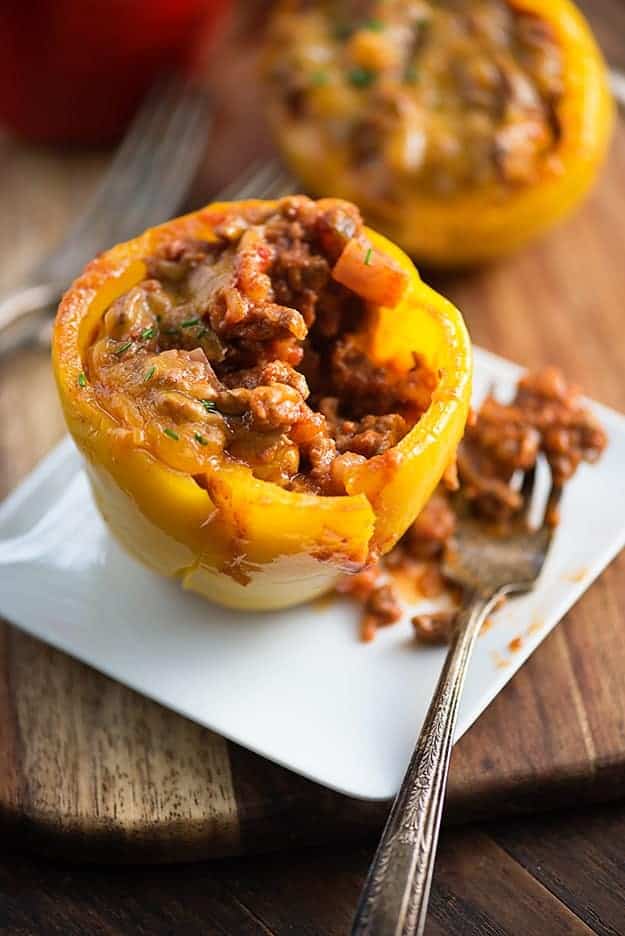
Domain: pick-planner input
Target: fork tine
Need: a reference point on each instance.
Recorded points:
(275, 182)
(262, 179)
(552, 507)
(282, 184)
(191, 150)
(170, 168)
(166, 168)
(526, 492)
(232, 190)
(107, 198)
(157, 101)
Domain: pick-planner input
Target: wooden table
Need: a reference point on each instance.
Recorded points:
(542, 876)
(557, 876)
(561, 301)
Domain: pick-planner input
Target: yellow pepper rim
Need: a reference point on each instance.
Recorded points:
(377, 518)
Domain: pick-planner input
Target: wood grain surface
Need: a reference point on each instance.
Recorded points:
(90, 768)
(560, 875)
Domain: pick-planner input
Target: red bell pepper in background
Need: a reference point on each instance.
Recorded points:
(75, 70)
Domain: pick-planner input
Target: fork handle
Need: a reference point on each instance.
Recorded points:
(395, 896)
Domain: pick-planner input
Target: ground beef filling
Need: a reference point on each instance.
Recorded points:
(547, 417)
(447, 93)
(252, 346)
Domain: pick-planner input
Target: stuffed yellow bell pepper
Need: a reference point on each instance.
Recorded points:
(462, 129)
(265, 394)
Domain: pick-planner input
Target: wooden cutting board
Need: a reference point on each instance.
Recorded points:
(91, 769)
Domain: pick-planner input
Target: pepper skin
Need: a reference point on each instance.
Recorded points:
(481, 223)
(75, 72)
(240, 541)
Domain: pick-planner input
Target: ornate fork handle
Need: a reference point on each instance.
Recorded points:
(395, 896)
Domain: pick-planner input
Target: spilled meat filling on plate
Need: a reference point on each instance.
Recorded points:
(253, 345)
(547, 417)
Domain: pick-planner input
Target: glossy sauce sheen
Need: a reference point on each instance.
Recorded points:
(254, 346)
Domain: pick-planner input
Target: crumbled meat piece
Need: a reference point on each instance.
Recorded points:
(300, 279)
(381, 609)
(370, 435)
(570, 433)
(256, 324)
(431, 581)
(275, 407)
(341, 468)
(368, 628)
(360, 584)
(175, 260)
(434, 628)
(378, 388)
(427, 536)
(300, 274)
(505, 436)
(337, 225)
(384, 605)
(356, 377)
(266, 374)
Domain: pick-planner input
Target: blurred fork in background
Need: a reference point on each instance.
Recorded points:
(146, 182)
(25, 314)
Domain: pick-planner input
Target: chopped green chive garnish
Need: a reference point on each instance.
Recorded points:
(149, 374)
(190, 322)
(376, 25)
(148, 332)
(122, 348)
(368, 256)
(319, 78)
(209, 406)
(171, 331)
(361, 77)
(200, 438)
(172, 435)
(82, 380)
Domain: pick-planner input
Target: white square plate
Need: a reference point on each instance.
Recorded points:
(296, 686)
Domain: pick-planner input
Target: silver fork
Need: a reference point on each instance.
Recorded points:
(23, 313)
(145, 183)
(264, 178)
(395, 897)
